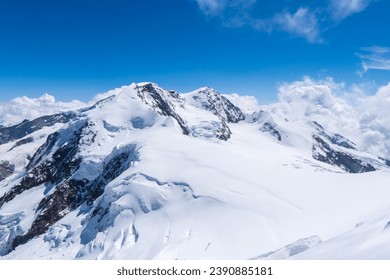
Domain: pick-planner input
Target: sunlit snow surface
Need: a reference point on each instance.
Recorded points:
(197, 197)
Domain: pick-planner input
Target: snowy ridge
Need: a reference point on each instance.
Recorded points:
(293, 249)
(148, 173)
(367, 240)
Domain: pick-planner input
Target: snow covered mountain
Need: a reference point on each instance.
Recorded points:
(148, 173)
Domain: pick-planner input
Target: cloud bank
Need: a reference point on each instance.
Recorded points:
(364, 118)
(21, 108)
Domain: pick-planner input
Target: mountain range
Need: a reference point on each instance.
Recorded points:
(149, 173)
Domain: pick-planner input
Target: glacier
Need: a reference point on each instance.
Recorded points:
(149, 173)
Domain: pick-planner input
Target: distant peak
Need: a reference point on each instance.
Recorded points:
(206, 89)
(141, 84)
(147, 85)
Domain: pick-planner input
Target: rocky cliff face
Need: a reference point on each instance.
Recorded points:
(337, 150)
(210, 100)
(6, 169)
(15, 132)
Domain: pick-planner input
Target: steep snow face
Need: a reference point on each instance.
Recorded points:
(369, 239)
(147, 173)
(209, 99)
(292, 249)
(267, 124)
(162, 101)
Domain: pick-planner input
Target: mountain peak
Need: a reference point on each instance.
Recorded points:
(93, 183)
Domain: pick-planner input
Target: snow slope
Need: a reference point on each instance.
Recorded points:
(148, 173)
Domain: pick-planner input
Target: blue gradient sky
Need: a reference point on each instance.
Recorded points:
(74, 49)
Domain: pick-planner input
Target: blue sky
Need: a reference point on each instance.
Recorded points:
(74, 49)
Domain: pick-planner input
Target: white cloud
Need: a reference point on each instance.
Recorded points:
(303, 23)
(236, 13)
(217, 7)
(299, 21)
(377, 58)
(340, 9)
(21, 108)
(366, 120)
(247, 104)
(317, 100)
(211, 7)
(375, 121)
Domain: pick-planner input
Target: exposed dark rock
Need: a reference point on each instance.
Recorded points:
(23, 142)
(11, 133)
(270, 128)
(342, 141)
(53, 208)
(112, 168)
(6, 169)
(223, 109)
(52, 170)
(221, 106)
(162, 104)
(341, 159)
(336, 139)
(267, 123)
(322, 151)
(223, 133)
(233, 113)
(386, 161)
(72, 193)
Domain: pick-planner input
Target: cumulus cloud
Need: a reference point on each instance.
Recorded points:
(340, 9)
(375, 58)
(375, 121)
(21, 108)
(247, 104)
(287, 16)
(317, 100)
(365, 121)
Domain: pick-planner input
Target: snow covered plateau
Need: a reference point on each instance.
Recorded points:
(149, 173)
